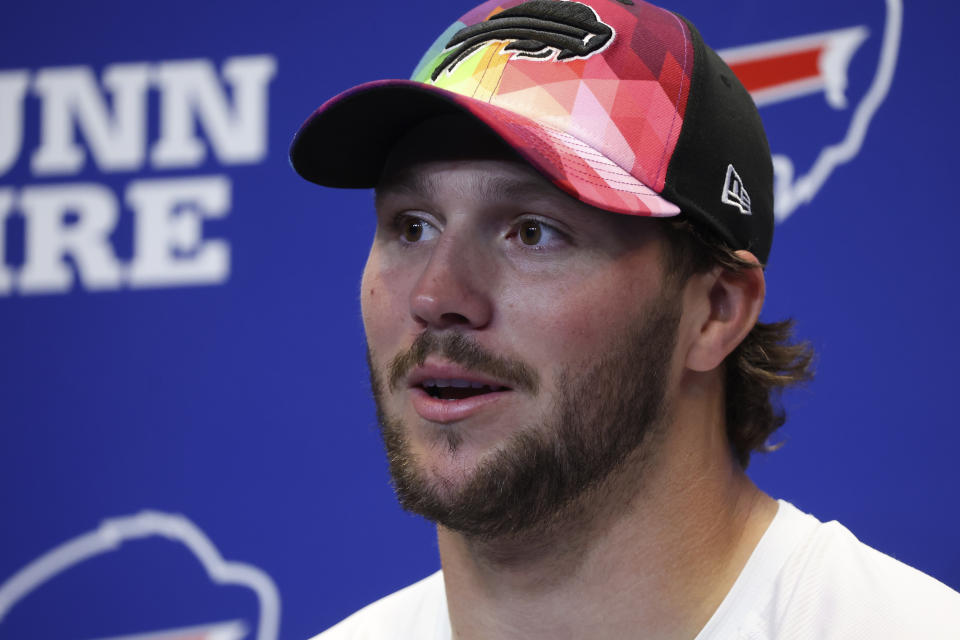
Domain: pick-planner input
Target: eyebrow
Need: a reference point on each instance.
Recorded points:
(492, 188)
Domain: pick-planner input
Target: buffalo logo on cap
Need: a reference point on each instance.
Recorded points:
(538, 29)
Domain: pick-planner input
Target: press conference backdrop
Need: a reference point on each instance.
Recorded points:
(188, 445)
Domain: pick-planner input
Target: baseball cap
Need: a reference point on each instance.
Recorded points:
(618, 102)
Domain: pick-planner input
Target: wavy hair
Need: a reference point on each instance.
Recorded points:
(766, 362)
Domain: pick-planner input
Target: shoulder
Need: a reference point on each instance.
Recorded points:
(809, 580)
(835, 586)
(416, 611)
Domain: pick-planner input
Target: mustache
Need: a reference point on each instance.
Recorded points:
(466, 352)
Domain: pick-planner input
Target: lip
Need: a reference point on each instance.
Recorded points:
(447, 411)
(434, 369)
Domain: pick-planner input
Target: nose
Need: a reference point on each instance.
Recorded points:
(453, 291)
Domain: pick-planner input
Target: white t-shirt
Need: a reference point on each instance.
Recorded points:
(806, 580)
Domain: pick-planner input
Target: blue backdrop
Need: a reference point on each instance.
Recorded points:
(187, 439)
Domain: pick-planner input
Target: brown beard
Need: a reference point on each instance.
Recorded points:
(605, 412)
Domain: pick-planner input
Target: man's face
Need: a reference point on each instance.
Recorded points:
(521, 343)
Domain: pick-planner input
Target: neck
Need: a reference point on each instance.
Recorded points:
(652, 552)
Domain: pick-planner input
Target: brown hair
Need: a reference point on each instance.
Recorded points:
(759, 368)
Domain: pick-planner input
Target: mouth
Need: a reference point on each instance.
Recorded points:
(458, 388)
(445, 392)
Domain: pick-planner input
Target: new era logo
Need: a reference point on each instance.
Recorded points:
(734, 193)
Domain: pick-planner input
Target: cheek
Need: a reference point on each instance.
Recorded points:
(383, 304)
(578, 310)
(372, 299)
(575, 324)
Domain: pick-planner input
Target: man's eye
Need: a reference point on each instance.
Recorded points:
(413, 230)
(530, 233)
(538, 235)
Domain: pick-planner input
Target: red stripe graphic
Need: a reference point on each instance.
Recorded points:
(792, 67)
(775, 70)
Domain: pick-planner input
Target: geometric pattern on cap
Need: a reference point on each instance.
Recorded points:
(571, 164)
(611, 120)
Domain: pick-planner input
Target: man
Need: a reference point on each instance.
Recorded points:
(574, 205)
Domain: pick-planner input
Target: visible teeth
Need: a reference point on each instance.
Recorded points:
(441, 382)
(460, 384)
(478, 385)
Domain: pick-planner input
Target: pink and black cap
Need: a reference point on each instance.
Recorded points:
(618, 102)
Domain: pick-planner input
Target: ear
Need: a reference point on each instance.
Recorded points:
(734, 300)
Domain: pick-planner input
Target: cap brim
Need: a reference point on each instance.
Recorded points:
(345, 143)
